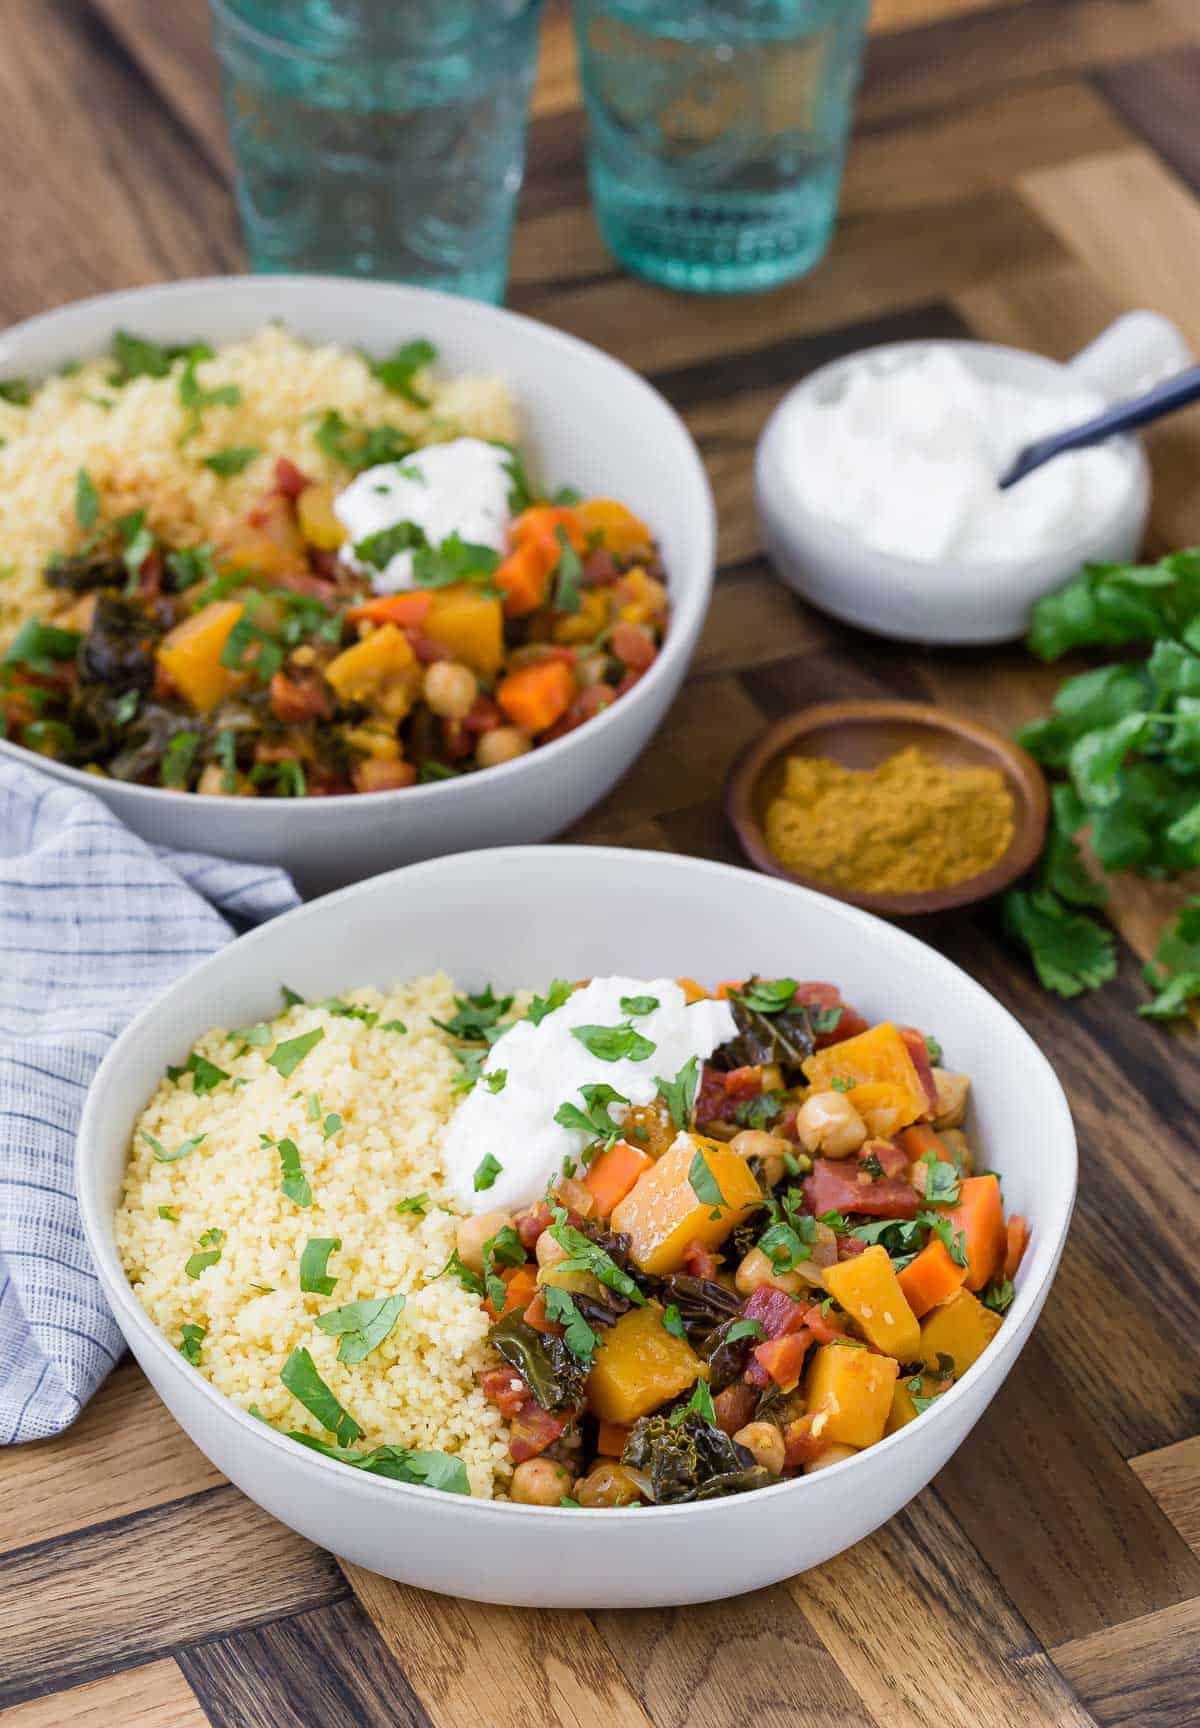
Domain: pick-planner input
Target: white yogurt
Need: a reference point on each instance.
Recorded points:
(545, 1066)
(457, 488)
(907, 455)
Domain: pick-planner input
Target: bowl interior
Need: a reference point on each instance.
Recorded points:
(527, 914)
(860, 735)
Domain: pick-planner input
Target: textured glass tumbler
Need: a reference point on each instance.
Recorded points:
(717, 131)
(377, 138)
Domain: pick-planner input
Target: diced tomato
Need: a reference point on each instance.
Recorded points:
(919, 1051)
(800, 1444)
(533, 1429)
(782, 1358)
(892, 1159)
(530, 1224)
(825, 1328)
(711, 1099)
(600, 569)
(734, 1406)
(457, 742)
(289, 479)
(482, 716)
(776, 1312)
(535, 1315)
(817, 995)
(850, 1247)
(299, 697)
(520, 1287)
(834, 1188)
(504, 1388)
(699, 1261)
(633, 644)
(150, 575)
(786, 1128)
(590, 702)
(744, 1082)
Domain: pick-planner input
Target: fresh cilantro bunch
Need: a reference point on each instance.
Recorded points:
(1123, 743)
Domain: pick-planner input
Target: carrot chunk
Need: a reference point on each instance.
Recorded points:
(408, 608)
(520, 1287)
(930, 1278)
(1016, 1243)
(613, 1174)
(610, 1442)
(534, 697)
(980, 1216)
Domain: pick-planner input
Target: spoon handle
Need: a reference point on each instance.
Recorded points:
(1165, 398)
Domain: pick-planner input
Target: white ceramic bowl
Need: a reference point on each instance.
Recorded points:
(586, 419)
(959, 601)
(522, 916)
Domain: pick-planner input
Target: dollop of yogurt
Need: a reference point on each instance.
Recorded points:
(907, 455)
(544, 1066)
(461, 488)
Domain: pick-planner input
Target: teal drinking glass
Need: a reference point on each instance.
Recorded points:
(717, 131)
(379, 137)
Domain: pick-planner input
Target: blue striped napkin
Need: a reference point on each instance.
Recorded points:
(93, 923)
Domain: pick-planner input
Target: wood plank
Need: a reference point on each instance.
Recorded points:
(310, 1671)
(1156, 98)
(1142, 1674)
(881, 265)
(1058, 1515)
(124, 1454)
(1172, 1475)
(173, 49)
(55, 80)
(749, 1658)
(907, 14)
(926, 1634)
(156, 1696)
(121, 1593)
(508, 1668)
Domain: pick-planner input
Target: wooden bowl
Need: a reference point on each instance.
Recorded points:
(861, 735)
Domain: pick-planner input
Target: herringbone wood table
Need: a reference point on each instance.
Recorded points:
(1022, 171)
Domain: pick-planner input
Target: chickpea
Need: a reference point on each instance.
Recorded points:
(472, 1233)
(450, 689)
(832, 1455)
(539, 1482)
(501, 744)
(952, 1090)
(212, 779)
(828, 1124)
(765, 1441)
(756, 1270)
(548, 1251)
(771, 1150)
(608, 1484)
(958, 1146)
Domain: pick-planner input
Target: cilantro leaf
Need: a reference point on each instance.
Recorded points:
(314, 1265)
(417, 1204)
(679, 1094)
(299, 1375)
(700, 1401)
(745, 1329)
(568, 575)
(673, 1321)
(596, 1121)
(208, 1252)
(286, 1057)
(192, 1337)
(559, 992)
(87, 500)
(1071, 952)
(455, 1267)
(578, 1336)
(206, 1076)
(999, 1296)
(361, 1326)
(768, 996)
(583, 1255)
(614, 1043)
(486, 1172)
(162, 1156)
(232, 460)
(293, 1181)
(397, 371)
(704, 1184)
(425, 1469)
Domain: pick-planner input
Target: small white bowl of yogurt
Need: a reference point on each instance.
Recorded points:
(876, 480)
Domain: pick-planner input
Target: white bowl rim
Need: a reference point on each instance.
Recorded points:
(1004, 1347)
(688, 606)
(798, 521)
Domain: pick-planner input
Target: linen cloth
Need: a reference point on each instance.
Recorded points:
(93, 923)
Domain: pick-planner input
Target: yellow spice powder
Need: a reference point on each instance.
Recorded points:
(906, 826)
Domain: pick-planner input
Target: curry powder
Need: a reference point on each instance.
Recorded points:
(910, 824)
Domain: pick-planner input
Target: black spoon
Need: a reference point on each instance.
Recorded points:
(1165, 398)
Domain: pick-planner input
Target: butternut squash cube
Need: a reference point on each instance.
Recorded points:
(885, 1087)
(638, 1366)
(381, 670)
(318, 524)
(867, 1288)
(191, 654)
(470, 625)
(624, 534)
(662, 1212)
(961, 1328)
(848, 1390)
(903, 1409)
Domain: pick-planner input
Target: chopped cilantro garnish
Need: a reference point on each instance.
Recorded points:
(704, 1184)
(673, 1321)
(418, 1204)
(486, 1172)
(583, 1255)
(293, 1181)
(578, 1336)
(192, 1338)
(700, 1401)
(232, 460)
(87, 500)
(361, 1326)
(679, 1094)
(744, 1329)
(614, 1043)
(194, 398)
(558, 993)
(162, 1156)
(768, 996)
(209, 1252)
(286, 1057)
(169, 1214)
(314, 1263)
(998, 1296)
(496, 1080)
(299, 1375)
(397, 371)
(596, 1120)
(206, 1076)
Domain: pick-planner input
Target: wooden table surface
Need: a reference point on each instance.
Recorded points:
(1022, 171)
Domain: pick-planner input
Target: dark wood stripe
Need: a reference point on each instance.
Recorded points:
(1142, 1675)
(314, 1670)
(142, 1586)
(1159, 98)
(780, 364)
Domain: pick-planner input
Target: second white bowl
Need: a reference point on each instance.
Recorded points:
(586, 419)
